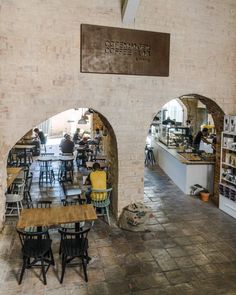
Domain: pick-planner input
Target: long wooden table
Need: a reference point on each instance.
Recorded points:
(12, 174)
(56, 215)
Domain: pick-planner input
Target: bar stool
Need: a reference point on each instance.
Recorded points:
(66, 170)
(46, 173)
(150, 158)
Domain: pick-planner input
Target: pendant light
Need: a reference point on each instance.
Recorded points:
(82, 120)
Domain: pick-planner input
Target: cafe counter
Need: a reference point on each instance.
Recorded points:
(185, 170)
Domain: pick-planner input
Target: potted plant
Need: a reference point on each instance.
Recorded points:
(204, 195)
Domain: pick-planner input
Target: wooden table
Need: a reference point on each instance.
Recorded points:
(55, 158)
(12, 174)
(56, 215)
(102, 164)
(101, 158)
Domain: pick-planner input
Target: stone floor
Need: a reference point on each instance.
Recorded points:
(190, 248)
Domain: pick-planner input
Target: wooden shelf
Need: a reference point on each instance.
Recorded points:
(226, 204)
(228, 149)
(230, 165)
(228, 186)
(234, 183)
(229, 133)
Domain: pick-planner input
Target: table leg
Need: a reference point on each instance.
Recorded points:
(25, 157)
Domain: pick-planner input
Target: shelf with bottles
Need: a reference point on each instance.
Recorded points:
(229, 124)
(227, 192)
(228, 158)
(228, 174)
(227, 186)
(229, 141)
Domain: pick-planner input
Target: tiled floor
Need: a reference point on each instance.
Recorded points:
(190, 248)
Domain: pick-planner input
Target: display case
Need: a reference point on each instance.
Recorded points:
(173, 136)
(227, 186)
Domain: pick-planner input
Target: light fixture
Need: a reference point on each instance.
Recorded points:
(87, 113)
(83, 118)
(82, 121)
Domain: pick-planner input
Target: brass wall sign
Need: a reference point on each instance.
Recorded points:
(110, 50)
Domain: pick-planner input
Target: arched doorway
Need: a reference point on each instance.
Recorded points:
(96, 120)
(201, 111)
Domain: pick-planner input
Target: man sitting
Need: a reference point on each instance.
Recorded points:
(98, 180)
(67, 145)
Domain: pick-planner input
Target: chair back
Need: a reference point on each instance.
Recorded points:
(25, 236)
(67, 154)
(44, 204)
(28, 182)
(98, 195)
(73, 239)
(20, 189)
(23, 174)
(45, 165)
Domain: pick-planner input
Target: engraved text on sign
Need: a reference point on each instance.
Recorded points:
(124, 51)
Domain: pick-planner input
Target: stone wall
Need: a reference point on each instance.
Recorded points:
(40, 71)
(109, 145)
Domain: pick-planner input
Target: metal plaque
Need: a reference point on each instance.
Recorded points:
(110, 50)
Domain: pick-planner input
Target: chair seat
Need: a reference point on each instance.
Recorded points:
(101, 204)
(73, 192)
(12, 198)
(74, 247)
(36, 248)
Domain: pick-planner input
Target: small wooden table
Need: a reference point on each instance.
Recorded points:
(12, 174)
(102, 164)
(56, 215)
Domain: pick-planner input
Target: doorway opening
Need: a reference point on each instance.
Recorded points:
(172, 139)
(84, 126)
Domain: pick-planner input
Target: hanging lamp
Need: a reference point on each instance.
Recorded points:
(82, 120)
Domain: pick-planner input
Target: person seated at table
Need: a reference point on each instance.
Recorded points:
(40, 136)
(84, 141)
(38, 140)
(77, 136)
(97, 179)
(67, 145)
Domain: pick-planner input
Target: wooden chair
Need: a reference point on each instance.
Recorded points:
(101, 200)
(74, 245)
(36, 251)
(72, 194)
(14, 200)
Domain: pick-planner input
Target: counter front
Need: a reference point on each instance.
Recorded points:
(184, 173)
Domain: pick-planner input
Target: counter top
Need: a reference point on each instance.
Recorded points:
(180, 158)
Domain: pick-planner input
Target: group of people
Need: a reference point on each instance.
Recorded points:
(67, 143)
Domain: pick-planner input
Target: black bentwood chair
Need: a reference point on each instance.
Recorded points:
(74, 245)
(36, 251)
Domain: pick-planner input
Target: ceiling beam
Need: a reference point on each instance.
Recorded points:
(129, 10)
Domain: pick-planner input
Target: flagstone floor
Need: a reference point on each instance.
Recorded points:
(190, 248)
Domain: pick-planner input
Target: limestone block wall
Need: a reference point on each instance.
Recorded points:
(40, 71)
